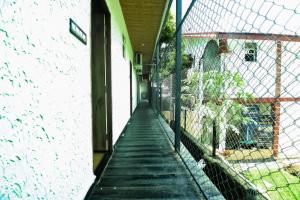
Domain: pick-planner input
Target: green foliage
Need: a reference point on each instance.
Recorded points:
(168, 50)
(217, 91)
(169, 30)
(168, 61)
(187, 60)
(189, 90)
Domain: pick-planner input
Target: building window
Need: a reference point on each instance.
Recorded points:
(123, 45)
(251, 52)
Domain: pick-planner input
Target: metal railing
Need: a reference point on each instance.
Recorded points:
(239, 95)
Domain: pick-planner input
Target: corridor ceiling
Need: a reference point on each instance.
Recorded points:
(144, 19)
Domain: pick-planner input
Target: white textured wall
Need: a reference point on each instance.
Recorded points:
(259, 77)
(290, 69)
(289, 137)
(45, 105)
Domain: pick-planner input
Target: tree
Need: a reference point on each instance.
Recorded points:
(169, 30)
(211, 93)
(168, 50)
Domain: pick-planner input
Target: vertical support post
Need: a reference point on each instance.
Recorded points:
(160, 96)
(214, 139)
(276, 105)
(130, 87)
(157, 78)
(185, 119)
(178, 75)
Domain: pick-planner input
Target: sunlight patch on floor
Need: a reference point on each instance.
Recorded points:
(96, 159)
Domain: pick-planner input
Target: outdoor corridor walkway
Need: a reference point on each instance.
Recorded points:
(144, 165)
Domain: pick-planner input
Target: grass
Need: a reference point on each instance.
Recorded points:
(278, 184)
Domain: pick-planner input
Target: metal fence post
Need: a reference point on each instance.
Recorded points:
(185, 119)
(160, 96)
(157, 78)
(214, 139)
(178, 75)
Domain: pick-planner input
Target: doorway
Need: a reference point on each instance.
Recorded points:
(101, 83)
(130, 86)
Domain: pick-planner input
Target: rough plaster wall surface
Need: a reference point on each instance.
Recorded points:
(45, 109)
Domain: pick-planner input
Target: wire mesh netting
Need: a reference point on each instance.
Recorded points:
(240, 97)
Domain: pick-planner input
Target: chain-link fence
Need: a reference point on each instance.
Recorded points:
(240, 97)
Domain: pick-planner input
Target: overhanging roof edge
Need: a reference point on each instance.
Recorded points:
(249, 36)
(162, 24)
